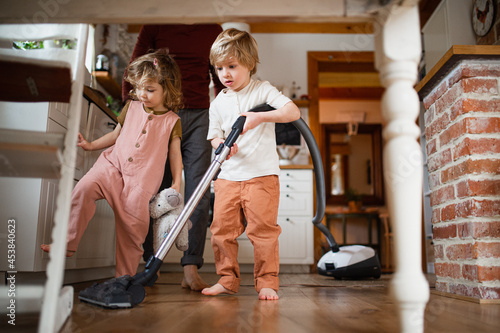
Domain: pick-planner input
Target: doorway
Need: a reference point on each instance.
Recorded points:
(350, 77)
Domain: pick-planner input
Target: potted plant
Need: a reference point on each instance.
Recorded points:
(354, 199)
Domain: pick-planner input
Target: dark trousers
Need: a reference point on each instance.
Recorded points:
(196, 156)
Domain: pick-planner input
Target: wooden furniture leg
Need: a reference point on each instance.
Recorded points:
(397, 54)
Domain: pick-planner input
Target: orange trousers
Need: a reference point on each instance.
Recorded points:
(255, 200)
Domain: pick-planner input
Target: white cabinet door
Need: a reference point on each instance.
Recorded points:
(295, 216)
(97, 247)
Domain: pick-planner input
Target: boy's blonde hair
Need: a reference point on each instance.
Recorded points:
(158, 67)
(234, 43)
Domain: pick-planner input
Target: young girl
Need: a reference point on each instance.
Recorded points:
(248, 183)
(130, 171)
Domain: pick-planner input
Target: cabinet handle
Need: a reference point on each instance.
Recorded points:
(288, 195)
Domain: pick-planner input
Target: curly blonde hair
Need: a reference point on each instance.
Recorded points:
(160, 67)
(234, 43)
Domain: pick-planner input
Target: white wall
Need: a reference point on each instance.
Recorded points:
(283, 57)
(449, 25)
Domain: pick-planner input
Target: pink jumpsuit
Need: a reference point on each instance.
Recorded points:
(127, 175)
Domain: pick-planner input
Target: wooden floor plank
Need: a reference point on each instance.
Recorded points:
(308, 303)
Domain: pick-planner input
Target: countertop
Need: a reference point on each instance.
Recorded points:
(95, 97)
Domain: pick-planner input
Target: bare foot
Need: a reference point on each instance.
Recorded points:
(216, 289)
(46, 248)
(268, 294)
(192, 279)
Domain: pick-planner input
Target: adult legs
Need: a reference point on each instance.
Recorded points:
(196, 155)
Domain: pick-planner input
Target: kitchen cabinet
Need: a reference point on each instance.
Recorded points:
(294, 216)
(31, 201)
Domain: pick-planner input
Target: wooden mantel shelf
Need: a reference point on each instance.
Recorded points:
(455, 54)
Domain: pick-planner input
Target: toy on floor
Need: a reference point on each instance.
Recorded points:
(164, 208)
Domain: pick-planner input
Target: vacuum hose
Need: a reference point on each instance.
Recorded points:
(319, 176)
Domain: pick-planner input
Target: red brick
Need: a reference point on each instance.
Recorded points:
(439, 160)
(483, 166)
(429, 115)
(442, 286)
(436, 213)
(487, 250)
(488, 273)
(449, 98)
(464, 208)
(480, 69)
(459, 252)
(449, 270)
(446, 232)
(485, 229)
(434, 180)
(484, 86)
(435, 94)
(482, 125)
(468, 105)
(469, 272)
(462, 189)
(453, 132)
(489, 292)
(442, 195)
(466, 290)
(465, 230)
(472, 188)
(479, 146)
(469, 125)
(450, 173)
(476, 207)
(480, 105)
(486, 207)
(455, 76)
(438, 251)
(448, 213)
(457, 109)
(470, 167)
(431, 147)
(437, 126)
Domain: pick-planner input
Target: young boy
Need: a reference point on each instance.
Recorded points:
(248, 185)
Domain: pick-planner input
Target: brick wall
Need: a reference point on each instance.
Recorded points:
(462, 122)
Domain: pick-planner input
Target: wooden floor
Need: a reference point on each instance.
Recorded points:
(308, 303)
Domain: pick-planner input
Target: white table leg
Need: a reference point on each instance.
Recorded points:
(398, 51)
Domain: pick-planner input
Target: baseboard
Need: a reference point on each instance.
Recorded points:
(466, 298)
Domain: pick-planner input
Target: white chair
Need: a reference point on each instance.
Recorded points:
(50, 75)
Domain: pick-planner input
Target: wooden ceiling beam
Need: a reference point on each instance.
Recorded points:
(313, 28)
(298, 28)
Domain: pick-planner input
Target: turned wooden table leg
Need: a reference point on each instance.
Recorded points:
(398, 51)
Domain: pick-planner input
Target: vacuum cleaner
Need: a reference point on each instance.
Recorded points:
(127, 291)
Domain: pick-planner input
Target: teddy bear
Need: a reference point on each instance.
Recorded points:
(164, 208)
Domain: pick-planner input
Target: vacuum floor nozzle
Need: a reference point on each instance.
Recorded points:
(115, 293)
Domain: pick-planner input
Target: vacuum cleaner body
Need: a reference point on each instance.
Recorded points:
(350, 262)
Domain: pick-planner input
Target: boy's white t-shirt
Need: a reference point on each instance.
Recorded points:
(256, 156)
